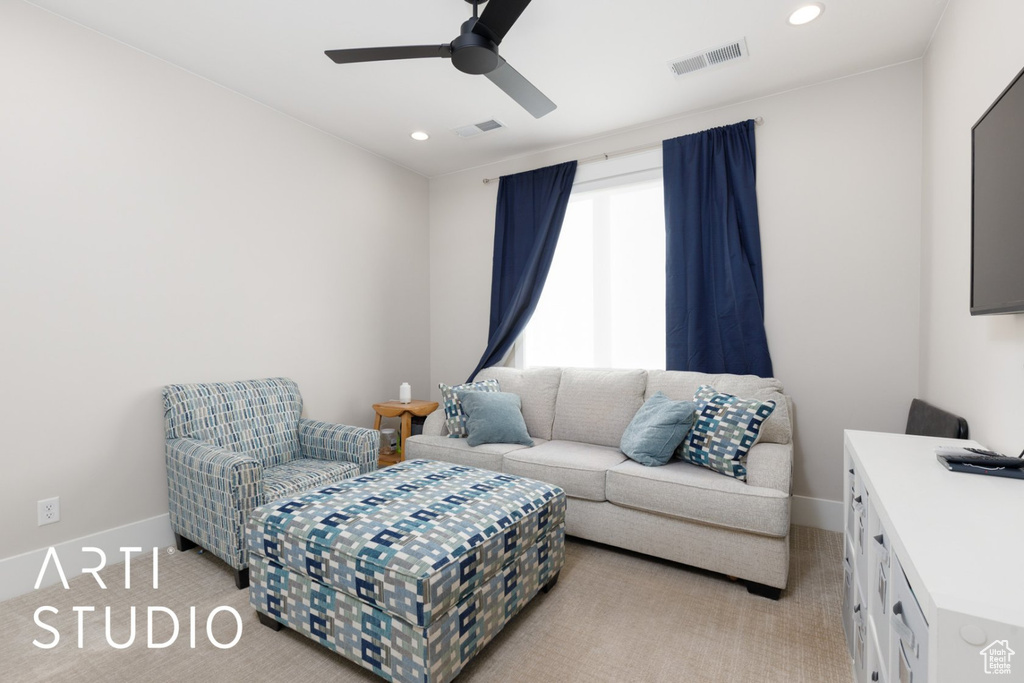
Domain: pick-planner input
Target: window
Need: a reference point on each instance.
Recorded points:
(603, 304)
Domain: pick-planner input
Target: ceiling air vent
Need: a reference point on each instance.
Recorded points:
(706, 59)
(478, 128)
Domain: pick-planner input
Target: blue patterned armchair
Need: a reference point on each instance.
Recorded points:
(233, 446)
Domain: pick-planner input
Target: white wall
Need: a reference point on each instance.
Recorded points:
(972, 366)
(839, 172)
(157, 228)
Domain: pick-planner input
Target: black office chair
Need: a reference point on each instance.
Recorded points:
(925, 419)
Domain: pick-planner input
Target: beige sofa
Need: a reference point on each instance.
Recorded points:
(680, 511)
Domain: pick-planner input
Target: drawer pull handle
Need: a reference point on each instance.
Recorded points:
(880, 539)
(850, 470)
(874, 675)
(857, 499)
(901, 626)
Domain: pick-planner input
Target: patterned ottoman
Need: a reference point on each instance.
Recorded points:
(410, 570)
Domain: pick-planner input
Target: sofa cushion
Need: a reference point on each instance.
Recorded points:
(537, 389)
(577, 468)
(681, 386)
(494, 418)
(596, 406)
(657, 429)
(680, 489)
(726, 428)
(454, 416)
(302, 474)
(487, 456)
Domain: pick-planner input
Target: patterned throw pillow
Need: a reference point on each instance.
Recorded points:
(454, 415)
(725, 429)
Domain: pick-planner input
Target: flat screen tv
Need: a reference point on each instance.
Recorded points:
(997, 205)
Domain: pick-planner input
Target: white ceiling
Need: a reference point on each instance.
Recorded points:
(603, 62)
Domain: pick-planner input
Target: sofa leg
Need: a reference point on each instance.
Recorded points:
(550, 584)
(770, 592)
(269, 621)
(242, 578)
(182, 543)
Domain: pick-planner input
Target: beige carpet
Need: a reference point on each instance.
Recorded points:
(614, 616)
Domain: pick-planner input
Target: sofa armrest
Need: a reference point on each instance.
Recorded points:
(211, 491)
(435, 424)
(327, 441)
(770, 465)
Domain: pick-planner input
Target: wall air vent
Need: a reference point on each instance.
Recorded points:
(706, 59)
(478, 128)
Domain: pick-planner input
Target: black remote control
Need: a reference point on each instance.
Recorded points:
(984, 460)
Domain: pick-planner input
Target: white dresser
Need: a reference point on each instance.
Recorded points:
(934, 566)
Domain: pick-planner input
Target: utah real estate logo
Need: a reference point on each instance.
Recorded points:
(997, 657)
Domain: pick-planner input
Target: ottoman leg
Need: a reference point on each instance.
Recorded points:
(269, 621)
(550, 584)
(182, 543)
(242, 578)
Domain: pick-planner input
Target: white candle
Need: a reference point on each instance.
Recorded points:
(405, 393)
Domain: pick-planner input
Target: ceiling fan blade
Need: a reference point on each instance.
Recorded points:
(498, 17)
(380, 54)
(521, 90)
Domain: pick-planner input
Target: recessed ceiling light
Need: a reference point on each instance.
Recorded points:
(806, 14)
(419, 135)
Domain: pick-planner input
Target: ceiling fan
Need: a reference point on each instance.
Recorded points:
(474, 51)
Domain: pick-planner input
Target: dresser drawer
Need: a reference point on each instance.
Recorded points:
(848, 599)
(909, 629)
(861, 537)
(878, 663)
(849, 495)
(860, 635)
(879, 580)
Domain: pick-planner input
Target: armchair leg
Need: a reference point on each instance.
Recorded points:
(183, 543)
(550, 584)
(241, 575)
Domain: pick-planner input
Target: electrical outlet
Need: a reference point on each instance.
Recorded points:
(48, 511)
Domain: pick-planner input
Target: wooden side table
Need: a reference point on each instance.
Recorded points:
(406, 411)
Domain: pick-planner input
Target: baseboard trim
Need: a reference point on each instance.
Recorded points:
(818, 513)
(18, 574)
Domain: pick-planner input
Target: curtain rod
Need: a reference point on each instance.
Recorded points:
(623, 152)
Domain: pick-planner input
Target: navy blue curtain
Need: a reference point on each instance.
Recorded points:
(528, 220)
(714, 296)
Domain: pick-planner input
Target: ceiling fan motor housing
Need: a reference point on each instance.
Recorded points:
(473, 53)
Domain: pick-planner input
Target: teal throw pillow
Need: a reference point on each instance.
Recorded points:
(494, 418)
(726, 428)
(657, 430)
(451, 398)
